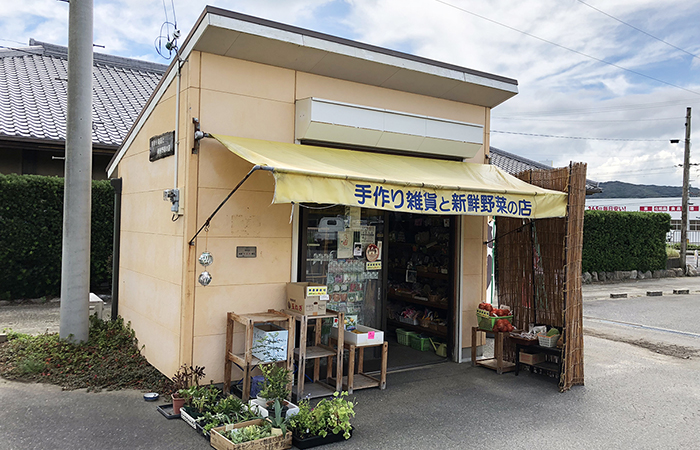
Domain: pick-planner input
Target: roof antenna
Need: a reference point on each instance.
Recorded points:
(164, 42)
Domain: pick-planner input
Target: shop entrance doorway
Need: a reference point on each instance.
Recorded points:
(389, 271)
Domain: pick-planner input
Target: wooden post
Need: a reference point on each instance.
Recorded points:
(229, 349)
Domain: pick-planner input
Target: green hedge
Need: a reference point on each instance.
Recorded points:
(31, 230)
(624, 241)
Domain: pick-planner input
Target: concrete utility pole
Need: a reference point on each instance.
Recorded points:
(77, 201)
(686, 176)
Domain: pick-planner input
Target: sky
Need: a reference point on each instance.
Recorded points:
(601, 82)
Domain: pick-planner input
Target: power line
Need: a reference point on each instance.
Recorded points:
(602, 110)
(638, 29)
(578, 137)
(586, 121)
(567, 48)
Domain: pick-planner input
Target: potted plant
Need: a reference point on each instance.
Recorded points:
(185, 377)
(198, 400)
(227, 410)
(328, 421)
(278, 420)
(275, 387)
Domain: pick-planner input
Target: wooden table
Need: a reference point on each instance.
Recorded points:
(496, 363)
(356, 377)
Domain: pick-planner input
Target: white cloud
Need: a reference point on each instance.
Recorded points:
(550, 78)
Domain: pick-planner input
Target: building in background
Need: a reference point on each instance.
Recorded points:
(33, 98)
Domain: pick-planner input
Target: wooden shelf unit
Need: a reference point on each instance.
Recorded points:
(356, 377)
(246, 361)
(548, 366)
(303, 353)
(496, 363)
(417, 301)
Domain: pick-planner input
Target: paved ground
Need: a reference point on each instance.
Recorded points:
(635, 396)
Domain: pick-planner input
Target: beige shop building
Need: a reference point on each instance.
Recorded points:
(352, 142)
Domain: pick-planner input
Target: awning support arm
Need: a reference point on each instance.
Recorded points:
(208, 221)
(512, 231)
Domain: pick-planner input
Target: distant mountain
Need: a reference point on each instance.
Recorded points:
(618, 189)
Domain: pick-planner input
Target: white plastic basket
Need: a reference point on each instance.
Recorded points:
(548, 341)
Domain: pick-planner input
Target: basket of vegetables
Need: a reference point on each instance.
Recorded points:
(494, 319)
(550, 339)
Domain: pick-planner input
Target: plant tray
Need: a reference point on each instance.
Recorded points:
(486, 322)
(189, 419)
(270, 443)
(420, 343)
(315, 441)
(167, 411)
(403, 336)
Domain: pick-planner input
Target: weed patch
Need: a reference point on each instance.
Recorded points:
(110, 359)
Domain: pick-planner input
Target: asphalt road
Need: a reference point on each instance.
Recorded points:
(641, 392)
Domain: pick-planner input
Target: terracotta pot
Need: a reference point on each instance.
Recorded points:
(178, 402)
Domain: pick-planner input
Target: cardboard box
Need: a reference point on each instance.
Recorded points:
(531, 358)
(270, 342)
(309, 299)
(364, 336)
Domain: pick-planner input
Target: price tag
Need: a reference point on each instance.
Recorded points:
(370, 335)
(324, 297)
(373, 265)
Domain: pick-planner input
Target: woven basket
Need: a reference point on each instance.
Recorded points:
(548, 341)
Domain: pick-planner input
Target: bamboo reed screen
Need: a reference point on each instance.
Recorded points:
(539, 267)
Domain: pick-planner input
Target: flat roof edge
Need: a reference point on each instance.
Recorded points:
(338, 40)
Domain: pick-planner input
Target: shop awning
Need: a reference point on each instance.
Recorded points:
(305, 173)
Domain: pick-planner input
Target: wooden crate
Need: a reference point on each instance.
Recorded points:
(270, 443)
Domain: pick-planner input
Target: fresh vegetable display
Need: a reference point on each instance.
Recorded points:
(503, 325)
(495, 324)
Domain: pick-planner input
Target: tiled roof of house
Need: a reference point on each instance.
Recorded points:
(514, 164)
(34, 89)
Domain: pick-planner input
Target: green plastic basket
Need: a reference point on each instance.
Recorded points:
(403, 336)
(420, 343)
(486, 322)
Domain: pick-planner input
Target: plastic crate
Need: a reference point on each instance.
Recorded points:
(548, 341)
(486, 322)
(403, 336)
(420, 343)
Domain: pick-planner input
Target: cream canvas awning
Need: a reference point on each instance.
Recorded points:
(305, 173)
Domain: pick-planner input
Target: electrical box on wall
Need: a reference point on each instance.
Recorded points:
(173, 196)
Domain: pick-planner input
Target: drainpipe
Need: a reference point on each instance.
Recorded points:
(117, 185)
(177, 123)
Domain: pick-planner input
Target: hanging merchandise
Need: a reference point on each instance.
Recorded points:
(205, 259)
(204, 278)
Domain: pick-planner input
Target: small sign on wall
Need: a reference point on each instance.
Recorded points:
(161, 146)
(246, 252)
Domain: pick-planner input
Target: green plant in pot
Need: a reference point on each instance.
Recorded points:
(278, 420)
(275, 387)
(329, 417)
(185, 377)
(200, 398)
